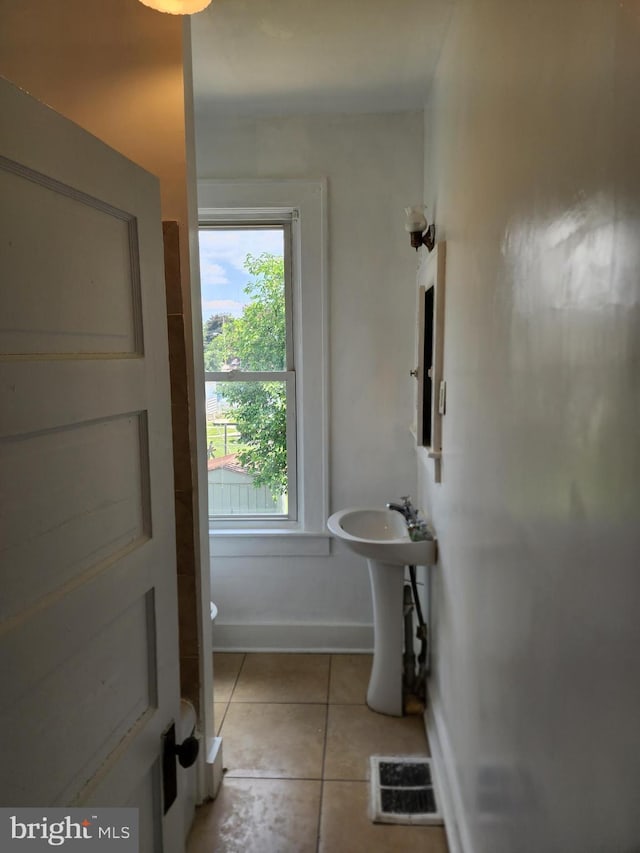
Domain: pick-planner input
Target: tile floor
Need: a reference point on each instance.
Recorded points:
(297, 739)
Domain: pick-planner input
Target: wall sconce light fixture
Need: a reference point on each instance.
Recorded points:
(422, 234)
(177, 7)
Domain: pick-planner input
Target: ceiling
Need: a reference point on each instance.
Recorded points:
(281, 57)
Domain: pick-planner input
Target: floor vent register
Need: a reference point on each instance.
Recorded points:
(403, 791)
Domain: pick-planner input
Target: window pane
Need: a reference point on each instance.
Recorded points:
(243, 298)
(247, 448)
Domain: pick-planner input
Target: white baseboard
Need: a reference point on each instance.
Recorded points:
(299, 637)
(458, 835)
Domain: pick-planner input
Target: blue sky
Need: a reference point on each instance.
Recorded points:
(222, 275)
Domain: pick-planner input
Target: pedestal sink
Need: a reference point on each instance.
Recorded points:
(381, 535)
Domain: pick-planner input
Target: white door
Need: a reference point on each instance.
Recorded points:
(88, 614)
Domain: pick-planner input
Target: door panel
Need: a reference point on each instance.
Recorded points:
(99, 505)
(89, 251)
(115, 666)
(88, 637)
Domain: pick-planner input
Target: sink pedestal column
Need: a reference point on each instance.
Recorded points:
(385, 685)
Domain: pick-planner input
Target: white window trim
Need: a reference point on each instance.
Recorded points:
(305, 202)
(287, 375)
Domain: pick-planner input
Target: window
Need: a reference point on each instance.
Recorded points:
(264, 331)
(249, 370)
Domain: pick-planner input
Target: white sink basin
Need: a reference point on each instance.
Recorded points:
(380, 535)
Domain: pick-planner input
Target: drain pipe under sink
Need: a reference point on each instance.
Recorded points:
(408, 658)
(414, 681)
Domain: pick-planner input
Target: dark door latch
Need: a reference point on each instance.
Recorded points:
(186, 753)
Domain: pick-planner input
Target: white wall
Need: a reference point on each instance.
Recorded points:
(533, 136)
(374, 165)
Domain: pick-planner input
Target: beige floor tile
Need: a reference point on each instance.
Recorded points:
(258, 816)
(354, 732)
(219, 710)
(349, 679)
(275, 740)
(345, 826)
(226, 666)
(283, 678)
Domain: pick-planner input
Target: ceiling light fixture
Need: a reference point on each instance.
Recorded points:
(422, 234)
(177, 7)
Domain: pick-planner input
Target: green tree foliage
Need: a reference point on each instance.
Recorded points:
(260, 333)
(256, 341)
(260, 410)
(217, 333)
(213, 326)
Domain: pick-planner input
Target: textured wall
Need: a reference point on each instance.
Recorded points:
(533, 133)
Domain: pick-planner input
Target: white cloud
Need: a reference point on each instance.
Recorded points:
(232, 247)
(212, 273)
(221, 306)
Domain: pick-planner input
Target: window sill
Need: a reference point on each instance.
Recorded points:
(268, 543)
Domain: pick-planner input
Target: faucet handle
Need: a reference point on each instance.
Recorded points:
(419, 530)
(406, 499)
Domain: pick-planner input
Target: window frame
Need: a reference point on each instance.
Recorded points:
(303, 204)
(286, 376)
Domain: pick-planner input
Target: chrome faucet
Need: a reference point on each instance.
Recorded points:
(406, 508)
